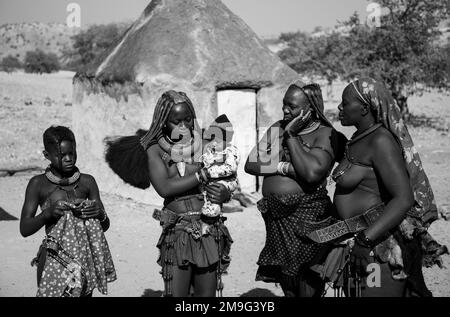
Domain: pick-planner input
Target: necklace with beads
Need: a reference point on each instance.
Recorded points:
(355, 138)
(338, 172)
(60, 180)
(311, 128)
(181, 154)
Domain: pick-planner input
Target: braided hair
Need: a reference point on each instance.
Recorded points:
(127, 156)
(162, 110)
(54, 136)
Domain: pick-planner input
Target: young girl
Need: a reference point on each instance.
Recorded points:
(74, 257)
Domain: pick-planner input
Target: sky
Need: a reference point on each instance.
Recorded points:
(265, 17)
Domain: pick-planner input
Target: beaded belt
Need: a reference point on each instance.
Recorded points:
(351, 225)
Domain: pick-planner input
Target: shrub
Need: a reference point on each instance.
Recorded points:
(41, 62)
(10, 63)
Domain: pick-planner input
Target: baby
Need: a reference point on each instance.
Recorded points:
(221, 159)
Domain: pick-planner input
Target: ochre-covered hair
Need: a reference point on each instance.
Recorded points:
(162, 110)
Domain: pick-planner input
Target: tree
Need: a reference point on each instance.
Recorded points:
(315, 56)
(403, 52)
(41, 62)
(89, 45)
(10, 63)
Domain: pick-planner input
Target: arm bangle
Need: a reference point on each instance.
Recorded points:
(364, 241)
(197, 175)
(104, 217)
(204, 175)
(283, 168)
(286, 168)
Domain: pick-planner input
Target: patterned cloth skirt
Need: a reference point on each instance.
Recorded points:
(287, 218)
(74, 259)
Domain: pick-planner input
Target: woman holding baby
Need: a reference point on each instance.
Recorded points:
(194, 244)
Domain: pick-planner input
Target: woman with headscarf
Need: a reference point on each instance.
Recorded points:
(193, 249)
(384, 198)
(295, 157)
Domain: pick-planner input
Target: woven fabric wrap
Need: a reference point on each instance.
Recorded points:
(287, 219)
(188, 240)
(78, 259)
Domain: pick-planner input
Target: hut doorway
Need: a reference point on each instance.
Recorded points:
(240, 107)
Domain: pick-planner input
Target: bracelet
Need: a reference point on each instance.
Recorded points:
(204, 175)
(283, 168)
(197, 175)
(364, 241)
(105, 217)
(286, 168)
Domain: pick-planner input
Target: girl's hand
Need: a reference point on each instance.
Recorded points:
(91, 209)
(217, 193)
(56, 210)
(298, 123)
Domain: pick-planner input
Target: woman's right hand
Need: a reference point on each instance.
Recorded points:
(298, 123)
(56, 210)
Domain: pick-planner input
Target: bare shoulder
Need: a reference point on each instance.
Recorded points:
(37, 181)
(154, 151)
(325, 130)
(323, 135)
(383, 138)
(87, 179)
(383, 144)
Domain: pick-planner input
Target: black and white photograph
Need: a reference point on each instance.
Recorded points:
(258, 149)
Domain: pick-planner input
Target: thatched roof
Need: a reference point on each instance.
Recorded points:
(200, 41)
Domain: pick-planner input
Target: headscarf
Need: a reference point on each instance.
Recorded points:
(314, 95)
(167, 101)
(386, 111)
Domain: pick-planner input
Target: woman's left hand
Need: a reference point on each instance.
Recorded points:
(217, 193)
(91, 210)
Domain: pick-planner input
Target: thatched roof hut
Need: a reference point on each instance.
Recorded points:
(196, 46)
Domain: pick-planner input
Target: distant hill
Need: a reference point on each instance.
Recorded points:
(18, 38)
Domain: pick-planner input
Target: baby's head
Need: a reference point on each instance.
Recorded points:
(220, 131)
(60, 148)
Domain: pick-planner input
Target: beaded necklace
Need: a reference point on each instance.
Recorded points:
(338, 173)
(311, 128)
(181, 154)
(62, 181)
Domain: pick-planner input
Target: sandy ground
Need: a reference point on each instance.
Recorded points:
(133, 234)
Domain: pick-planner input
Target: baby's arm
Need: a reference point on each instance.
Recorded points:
(29, 222)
